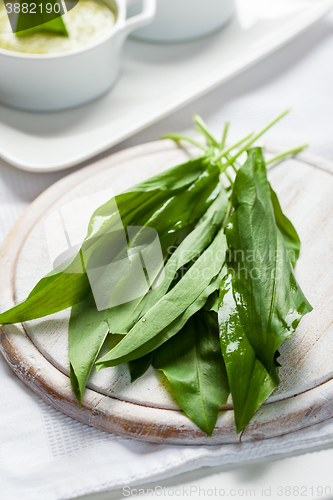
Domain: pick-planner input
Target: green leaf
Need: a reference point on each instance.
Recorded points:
(186, 207)
(145, 204)
(167, 221)
(193, 364)
(176, 177)
(138, 367)
(40, 22)
(250, 383)
(269, 300)
(138, 359)
(148, 197)
(171, 330)
(86, 334)
(200, 281)
(289, 233)
(53, 293)
(188, 250)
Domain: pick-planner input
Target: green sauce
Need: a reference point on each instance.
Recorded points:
(89, 21)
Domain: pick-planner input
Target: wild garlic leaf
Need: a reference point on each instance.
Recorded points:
(177, 177)
(171, 330)
(138, 367)
(87, 332)
(41, 20)
(179, 212)
(68, 285)
(269, 300)
(53, 293)
(185, 207)
(289, 233)
(161, 192)
(200, 281)
(188, 250)
(250, 383)
(193, 364)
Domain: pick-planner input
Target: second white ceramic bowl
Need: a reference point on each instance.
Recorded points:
(53, 82)
(182, 20)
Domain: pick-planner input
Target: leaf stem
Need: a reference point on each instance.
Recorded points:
(253, 139)
(229, 178)
(224, 135)
(205, 130)
(290, 152)
(227, 150)
(234, 165)
(227, 217)
(180, 137)
(223, 151)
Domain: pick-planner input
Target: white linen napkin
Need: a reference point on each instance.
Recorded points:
(47, 455)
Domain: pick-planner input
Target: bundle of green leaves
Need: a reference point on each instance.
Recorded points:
(228, 297)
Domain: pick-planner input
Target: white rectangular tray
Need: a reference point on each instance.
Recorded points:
(156, 80)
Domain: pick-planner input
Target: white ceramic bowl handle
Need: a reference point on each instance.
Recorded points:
(142, 19)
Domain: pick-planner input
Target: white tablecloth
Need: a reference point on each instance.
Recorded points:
(46, 455)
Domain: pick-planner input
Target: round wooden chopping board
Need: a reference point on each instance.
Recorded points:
(146, 409)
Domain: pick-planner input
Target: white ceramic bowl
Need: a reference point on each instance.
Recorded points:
(181, 20)
(52, 82)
